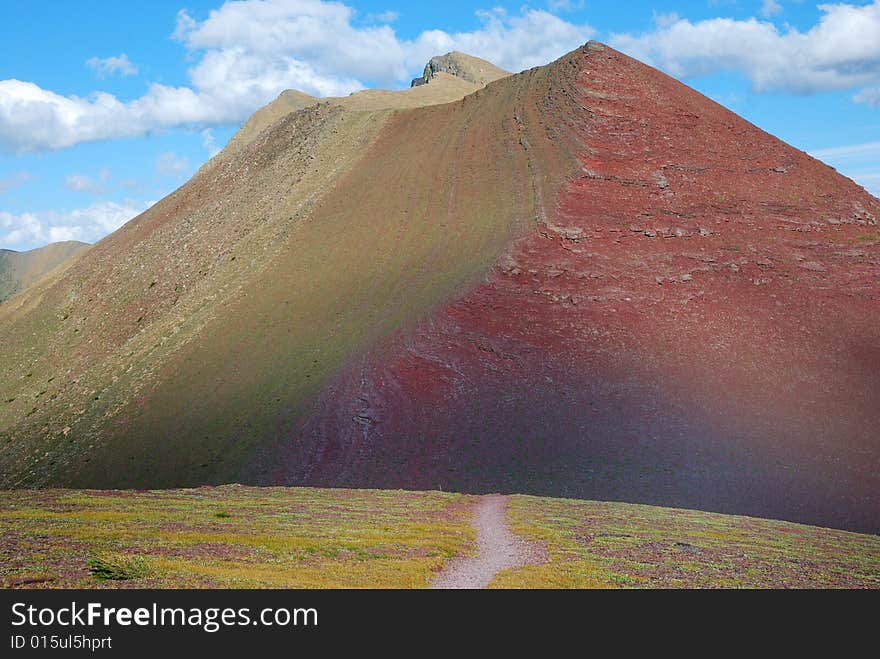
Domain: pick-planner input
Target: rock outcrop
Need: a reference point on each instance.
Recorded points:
(459, 65)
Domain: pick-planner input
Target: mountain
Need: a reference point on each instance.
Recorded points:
(459, 65)
(447, 78)
(583, 280)
(18, 270)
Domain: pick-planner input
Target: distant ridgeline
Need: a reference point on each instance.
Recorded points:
(18, 270)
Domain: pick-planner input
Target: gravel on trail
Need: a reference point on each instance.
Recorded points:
(497, 549)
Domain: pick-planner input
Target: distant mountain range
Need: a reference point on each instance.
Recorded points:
(18, 270)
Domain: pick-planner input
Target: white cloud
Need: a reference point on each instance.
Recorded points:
(313, 34)
(870, 149)
(859, 161)
(83, 183)
(246, 52)
(131, 184)
(209, 143)
(171, 165)
(79, 183)
(89, 224)
(110, 65)
(32, 118)
(664, 20)
(184, 24)
(869, 181)
(14, 180)
(870, 96)
(384, 17)
(565, 5)
(513, 42)
(841, 51)
(770, 8)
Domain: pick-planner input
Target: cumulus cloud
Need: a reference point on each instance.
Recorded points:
(513, 42)
(28, 230)
(246, 52)
(32, 118)
(315, 36)
(841, 51)
(109, 65)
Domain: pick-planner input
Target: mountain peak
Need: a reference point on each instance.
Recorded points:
(585, 280)
(461, 65)
(452, 77)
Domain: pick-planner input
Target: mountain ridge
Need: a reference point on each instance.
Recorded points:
(584, 280)
(19, 270)
(456, 76)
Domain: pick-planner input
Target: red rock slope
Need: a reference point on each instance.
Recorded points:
(694, 322)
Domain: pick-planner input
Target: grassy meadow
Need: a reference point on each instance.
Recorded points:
(247, 537)
(594, 544)
(228, 537)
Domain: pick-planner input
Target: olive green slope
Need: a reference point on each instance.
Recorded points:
(194, 339)
(447, 78)
(426, 211)
(80, 346)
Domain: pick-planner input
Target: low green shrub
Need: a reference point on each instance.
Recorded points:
(118, 567)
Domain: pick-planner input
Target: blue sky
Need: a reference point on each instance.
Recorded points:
(105, 107)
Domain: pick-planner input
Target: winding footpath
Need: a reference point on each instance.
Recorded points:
(497, 549)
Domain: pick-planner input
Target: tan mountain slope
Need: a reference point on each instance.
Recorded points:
(80, 347)
(280, 236)
(288, 101)
(447, 78)
(18, 270)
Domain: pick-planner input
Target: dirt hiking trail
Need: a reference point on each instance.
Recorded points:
(497, 549)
